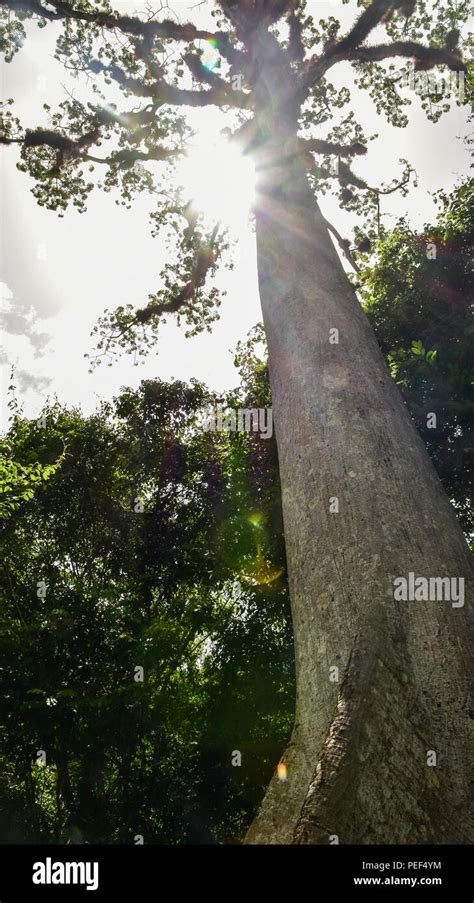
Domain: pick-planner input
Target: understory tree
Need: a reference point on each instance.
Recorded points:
(380, 745)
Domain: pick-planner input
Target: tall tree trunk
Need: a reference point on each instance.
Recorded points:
(360, 763)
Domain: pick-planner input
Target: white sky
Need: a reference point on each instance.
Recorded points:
(60, 274)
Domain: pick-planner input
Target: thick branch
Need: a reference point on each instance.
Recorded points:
(37, 137)
(129, 25)
(345, 176)
(367, 21)
(201, 74)
(337, 51)
(66, 149)
(295, 44)
(126, 158)
(349, 48)
(319, 146)
(427, 56)
(161, 91)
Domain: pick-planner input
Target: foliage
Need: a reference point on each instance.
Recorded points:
(417, 293)
(19, 481)
(140, 75)
(93, 587)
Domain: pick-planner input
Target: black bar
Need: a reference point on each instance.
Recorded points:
(316, 873)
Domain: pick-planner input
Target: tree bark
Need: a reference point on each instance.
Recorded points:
(358, 763)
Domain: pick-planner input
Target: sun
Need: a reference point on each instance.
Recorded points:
(219, 180)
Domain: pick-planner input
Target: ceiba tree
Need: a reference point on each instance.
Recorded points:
(380, 746)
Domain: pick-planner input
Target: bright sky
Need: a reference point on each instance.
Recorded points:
(60, 274)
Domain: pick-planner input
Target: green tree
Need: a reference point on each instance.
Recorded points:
(141, 552)
(343, 432)
(18, 482)
(416, 292)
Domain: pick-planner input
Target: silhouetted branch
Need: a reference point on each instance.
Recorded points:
(129, 25)
(160, 90)
(205, 259)
(428, 56)
(349, 47)
(320, 146)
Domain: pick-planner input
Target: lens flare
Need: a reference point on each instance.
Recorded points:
(219, 180)
(259, 572)
(256, 519)
(210, 58)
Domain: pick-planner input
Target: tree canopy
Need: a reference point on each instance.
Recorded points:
(138, 78)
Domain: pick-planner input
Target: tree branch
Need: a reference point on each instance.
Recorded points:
(367, 21)
(320, 146)
(349, 48)
(161, 91)
(129, 25)
(346, 176)
(205, 259)
(336, 51)
(427, 56)
(201, 74)
(68, 150)
(126, 158)
(134, 27)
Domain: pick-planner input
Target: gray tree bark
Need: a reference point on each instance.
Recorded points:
(358, 761)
